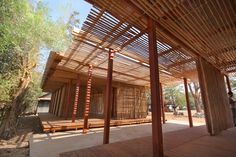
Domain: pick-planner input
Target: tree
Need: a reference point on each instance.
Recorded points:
(175, 97)
(196, 94)
(233, 83)
(24, 30)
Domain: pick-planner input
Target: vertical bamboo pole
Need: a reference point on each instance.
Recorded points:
(64, 100)
(108, 101)
(188, 103)
(87, 99)
(157, 138)
(59, 101)
(68, 96)
(56, 102)
(51, 102)
(162, 105)
(74, 112)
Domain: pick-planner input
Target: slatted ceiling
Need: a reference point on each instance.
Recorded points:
(133, 32)
(101, 28)
(205, 26)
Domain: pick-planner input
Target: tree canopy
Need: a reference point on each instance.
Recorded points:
(25, 29)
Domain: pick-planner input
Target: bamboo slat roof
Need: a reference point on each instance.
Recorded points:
(185, 31)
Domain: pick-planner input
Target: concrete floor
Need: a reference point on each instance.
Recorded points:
(190, 142)
(52, 144)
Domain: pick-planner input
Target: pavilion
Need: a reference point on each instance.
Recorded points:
(151, 42)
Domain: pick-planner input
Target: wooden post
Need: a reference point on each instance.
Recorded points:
(55, 102)
(162, 105)
(108, 101)
(58, 102)
(68, 98)
(157, 138)
(188, 103)
(228, 84)
(87, 99)
(52, 102)
(74, 112)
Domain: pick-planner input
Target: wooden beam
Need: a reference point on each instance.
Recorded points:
(181, 63)
(132, 40)
(85, 34)
(157, 138)
(162, 105)
(188, 103)
(77, 90)
(87, 99)
(168, 51)
(108, 98)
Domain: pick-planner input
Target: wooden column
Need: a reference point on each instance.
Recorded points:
(228, 84)
(51, 102)
(162, 105)
(68, 98)
(157, 138)
(87, 99)
(188, 103)
(108, 98)
(64, 101)
(56, 101)
(75, 106)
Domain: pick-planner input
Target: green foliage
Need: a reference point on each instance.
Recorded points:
(233, 81)
(24, 30)
(174, 95)
(30, 99)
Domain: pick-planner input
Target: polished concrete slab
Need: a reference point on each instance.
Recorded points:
(190, 142)
(51, 144)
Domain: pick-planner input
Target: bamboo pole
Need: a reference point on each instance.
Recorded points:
(87, 99)
(74, 112)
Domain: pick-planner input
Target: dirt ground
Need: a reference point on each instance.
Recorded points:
(170, 116)
(18, 146)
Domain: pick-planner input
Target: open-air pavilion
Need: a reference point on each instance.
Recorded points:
(152, 43)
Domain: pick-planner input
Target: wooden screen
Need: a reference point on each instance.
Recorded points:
(215, 98)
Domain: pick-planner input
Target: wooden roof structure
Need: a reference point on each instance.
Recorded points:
(185, 30)
(175, 36)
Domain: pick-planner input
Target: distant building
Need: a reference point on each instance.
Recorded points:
(43, 103)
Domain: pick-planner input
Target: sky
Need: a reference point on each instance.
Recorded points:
(61, 10)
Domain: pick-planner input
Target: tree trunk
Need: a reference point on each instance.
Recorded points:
(197, 105)
(196, 96)
(175, 111)
(9, 123)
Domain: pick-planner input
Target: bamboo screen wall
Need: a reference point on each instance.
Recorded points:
(129, 101)
(215, 99)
